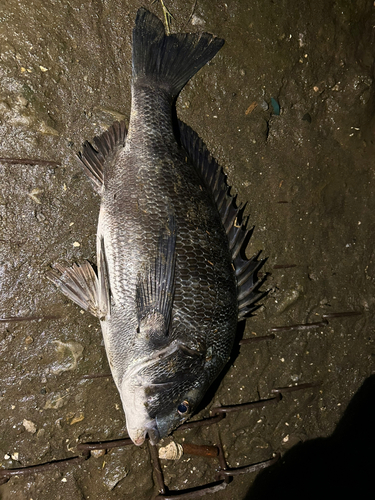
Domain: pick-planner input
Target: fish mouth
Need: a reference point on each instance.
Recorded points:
(151, 430)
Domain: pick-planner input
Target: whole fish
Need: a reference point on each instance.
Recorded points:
(171, 283)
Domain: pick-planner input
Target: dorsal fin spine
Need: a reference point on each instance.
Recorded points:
(231, 217)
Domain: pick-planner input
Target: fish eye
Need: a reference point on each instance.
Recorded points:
(183, 408)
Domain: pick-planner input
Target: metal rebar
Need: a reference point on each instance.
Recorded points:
(248, 468)
(200, 450)
(257, 339)
(341, 314)
(104, 445)
(8, 473)
(298, 387)
(199, 423)
(157, 468)
(318, 324)
(222, 462)
(17, 319)
(246, 406)
(303, 326)
(28, 161)
(97, 375)
(193, 492)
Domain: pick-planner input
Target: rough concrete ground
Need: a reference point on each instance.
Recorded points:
(306, 173)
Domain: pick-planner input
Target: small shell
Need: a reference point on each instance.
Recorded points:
(173, 451)
(97, 453)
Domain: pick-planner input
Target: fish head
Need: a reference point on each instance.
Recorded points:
(160, 394)
(178, 411)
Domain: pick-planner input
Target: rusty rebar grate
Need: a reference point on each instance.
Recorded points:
(224, 474)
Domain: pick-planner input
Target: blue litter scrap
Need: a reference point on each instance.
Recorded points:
(276, 106)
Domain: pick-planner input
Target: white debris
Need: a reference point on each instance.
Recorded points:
(29, 426)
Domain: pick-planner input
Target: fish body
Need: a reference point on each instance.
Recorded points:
(171, 284)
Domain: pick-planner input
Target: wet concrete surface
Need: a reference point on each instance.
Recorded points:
(307, 174)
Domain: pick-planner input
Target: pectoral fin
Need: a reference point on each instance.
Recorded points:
(155, 289)
(82, 286)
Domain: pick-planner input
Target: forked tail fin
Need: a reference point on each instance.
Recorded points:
(168, 60)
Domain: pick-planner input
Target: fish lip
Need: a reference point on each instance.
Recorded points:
(140, 440)
(151, 430)
(153, 433)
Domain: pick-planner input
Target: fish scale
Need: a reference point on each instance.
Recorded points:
(172, 279)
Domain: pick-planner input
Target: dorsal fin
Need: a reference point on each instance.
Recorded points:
(231, 217)
(95, 159)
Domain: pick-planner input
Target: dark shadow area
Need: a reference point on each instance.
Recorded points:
(338, 467)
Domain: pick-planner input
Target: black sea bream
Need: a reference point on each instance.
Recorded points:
(171, 284)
